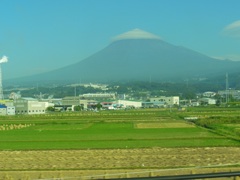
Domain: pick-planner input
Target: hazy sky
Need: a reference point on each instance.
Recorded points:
(43, 35)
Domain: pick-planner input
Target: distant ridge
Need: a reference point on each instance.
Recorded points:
(138, 55)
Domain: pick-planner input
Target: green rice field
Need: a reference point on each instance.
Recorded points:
(107, 130)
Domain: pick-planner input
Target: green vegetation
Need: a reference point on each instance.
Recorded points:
(223, 121)
(135, 89)
(115, 129)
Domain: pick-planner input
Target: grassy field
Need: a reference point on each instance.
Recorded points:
(106, 129)
(223, 121)
(88, 144)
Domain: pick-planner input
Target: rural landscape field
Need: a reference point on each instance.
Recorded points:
(119, 144)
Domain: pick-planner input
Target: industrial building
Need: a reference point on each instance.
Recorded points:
(98, 95)
(230, 92)
(121, 104)
(172, 100)
(76, 101)
(107, 105)
(30, 106)
(126, 104)
(71, 100)
(207, 101)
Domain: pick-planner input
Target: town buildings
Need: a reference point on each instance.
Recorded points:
(34, 106)
(235, 94)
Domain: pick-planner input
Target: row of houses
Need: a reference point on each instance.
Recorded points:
(34, 106)
(235, 94)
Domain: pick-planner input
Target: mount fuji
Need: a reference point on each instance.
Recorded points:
(138, 55)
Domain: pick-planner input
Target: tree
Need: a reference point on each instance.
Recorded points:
(78, 108)
(50, 109)
(99, 106)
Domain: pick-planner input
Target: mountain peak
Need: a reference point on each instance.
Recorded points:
(136, 34)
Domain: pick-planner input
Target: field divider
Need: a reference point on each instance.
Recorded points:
(149, 172)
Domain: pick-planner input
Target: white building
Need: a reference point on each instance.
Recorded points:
(11, 110)
(234, 93)
(75, 101)
(107, 105)
(98, 95)
(207, 101)
(209, 94)
(30, 106)
(196, 103)
(172, 100)
(3, 109)
(125, 103)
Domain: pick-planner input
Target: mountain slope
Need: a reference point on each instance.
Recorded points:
(138, 58)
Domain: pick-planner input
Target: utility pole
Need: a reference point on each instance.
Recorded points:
(227, 89)
(75, 92)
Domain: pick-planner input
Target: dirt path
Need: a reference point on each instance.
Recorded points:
(41, 163)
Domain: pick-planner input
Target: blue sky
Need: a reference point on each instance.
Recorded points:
(42, 35)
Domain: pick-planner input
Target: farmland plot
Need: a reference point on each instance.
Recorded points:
(164, 125)
(109, 135)
(108, 141)
(124, 162)
(224, 121)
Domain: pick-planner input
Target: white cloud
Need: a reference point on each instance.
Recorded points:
(232, 57)
(136, 34)
(232, 29)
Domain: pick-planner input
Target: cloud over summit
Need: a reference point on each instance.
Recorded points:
(136, 34)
